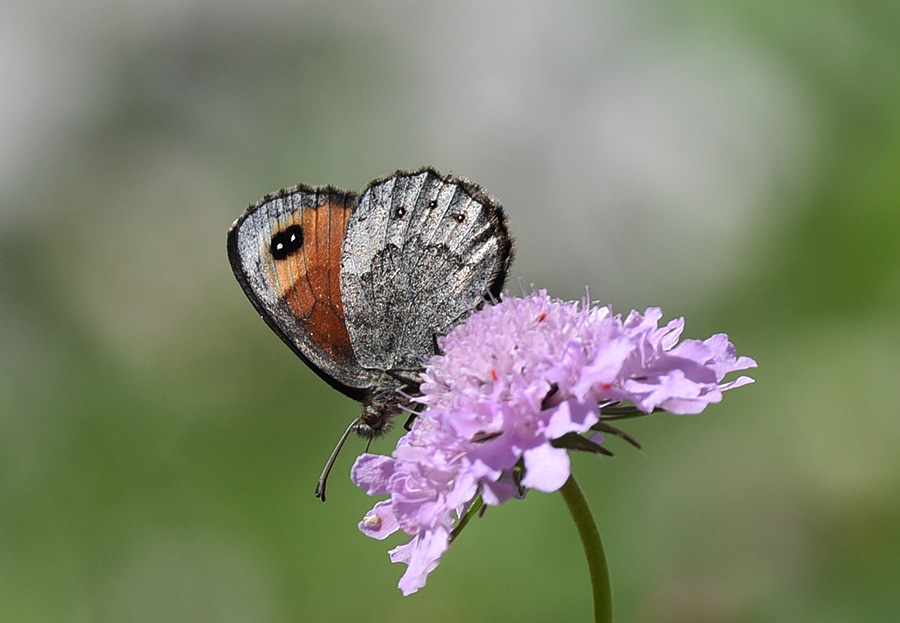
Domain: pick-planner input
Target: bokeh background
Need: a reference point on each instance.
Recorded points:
(737, 163)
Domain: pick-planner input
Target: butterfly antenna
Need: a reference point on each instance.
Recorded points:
(320, 486)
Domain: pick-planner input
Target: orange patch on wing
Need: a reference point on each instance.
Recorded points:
(311, 278)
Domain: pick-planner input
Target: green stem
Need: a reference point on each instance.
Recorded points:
(593, 549)
(476, 507)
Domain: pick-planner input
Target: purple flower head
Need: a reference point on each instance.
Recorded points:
(514, 380)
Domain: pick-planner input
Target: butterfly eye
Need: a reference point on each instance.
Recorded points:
(286, 242)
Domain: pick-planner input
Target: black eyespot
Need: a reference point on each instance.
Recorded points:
(286, 242)
(432, 204)
(400, 212)
(459, 217)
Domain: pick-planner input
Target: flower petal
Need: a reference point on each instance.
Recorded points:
(546, 468)
(422, 555)
(372, 472)
(379, 522)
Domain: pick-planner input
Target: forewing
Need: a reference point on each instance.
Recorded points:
(285, 251)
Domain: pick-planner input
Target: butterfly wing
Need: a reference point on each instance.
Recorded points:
(422, 251)
(285, 251)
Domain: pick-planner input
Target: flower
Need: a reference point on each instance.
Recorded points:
(515, 382)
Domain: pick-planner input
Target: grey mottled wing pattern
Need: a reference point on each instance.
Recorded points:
(422, 251)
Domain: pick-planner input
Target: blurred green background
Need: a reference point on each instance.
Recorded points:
(737, 163)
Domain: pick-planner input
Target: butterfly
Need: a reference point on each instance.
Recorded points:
(360, 286)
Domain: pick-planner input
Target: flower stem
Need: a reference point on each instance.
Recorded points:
(593, 549)
(477, 506)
